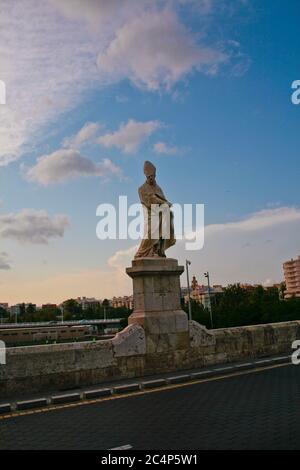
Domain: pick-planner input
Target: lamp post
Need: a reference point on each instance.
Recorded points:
(105, 304)
(209, 301)
(187, 262)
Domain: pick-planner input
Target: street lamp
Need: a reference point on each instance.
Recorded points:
(209, 301)
(187, 262)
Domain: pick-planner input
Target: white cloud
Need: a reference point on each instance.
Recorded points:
(67, 164)
(33, 226)
(122, 258)
(49, 52)
(259, 220)
(86, 134)
(229, 256)
(4, 262)
(155, 50)
(46, 63)
(130, 136)
(101, 14)
(163, 148)
(203, 7)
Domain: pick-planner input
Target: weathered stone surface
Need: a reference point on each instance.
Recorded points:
(200, 336)
(56, 366)
(159, 226)
(40, 360)
(156, 291)
(130, 341)
(156, 286)
(33, 369)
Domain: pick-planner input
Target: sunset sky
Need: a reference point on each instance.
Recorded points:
(202, 88)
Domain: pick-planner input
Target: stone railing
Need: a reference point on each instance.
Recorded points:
(33, 369)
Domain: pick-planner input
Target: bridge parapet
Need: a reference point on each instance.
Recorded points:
(33, 369)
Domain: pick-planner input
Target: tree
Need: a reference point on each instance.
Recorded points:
(3, 313)
(282, 290)
(199, 313)
(30, 313)
(48, 314)
(239, 306)
(71, 309)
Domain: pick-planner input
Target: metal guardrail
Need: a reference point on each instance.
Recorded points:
(59, 323)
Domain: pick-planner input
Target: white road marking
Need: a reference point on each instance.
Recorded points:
(125, 447)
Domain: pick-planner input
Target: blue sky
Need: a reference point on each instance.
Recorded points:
(209, 82)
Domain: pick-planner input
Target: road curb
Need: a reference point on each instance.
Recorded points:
(101, 392)
(217, 370)
(68, 398)
(281, 360)
(203, 374)
(177, 379)
(223, 370)
(126, 388)
(29, 404)
(245, 366)
(5, 408)
(154, 383)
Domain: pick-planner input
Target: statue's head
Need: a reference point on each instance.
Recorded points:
(150, 172)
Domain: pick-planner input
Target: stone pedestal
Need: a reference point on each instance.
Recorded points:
(157, 308)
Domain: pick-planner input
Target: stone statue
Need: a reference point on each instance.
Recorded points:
(159, 226)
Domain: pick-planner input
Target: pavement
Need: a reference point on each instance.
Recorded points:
(256, 408)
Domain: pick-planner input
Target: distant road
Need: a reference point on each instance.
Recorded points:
(258, 410)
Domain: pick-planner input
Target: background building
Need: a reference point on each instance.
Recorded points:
(292, 278)
(199, 293)
(87, 302)
(49, 307)
(125, 301)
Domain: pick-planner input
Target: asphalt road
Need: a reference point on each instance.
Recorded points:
(258, 410)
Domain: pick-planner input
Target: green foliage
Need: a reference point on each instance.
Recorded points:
(238, 306)
(44, 315)
(29, 313)
(97, 312)
(72, 310)
(3, 312)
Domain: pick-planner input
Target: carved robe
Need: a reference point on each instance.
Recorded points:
(158, 226)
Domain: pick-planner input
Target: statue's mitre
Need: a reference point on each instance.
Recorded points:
(149, 168)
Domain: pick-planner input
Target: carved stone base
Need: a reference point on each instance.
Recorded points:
(157, 308)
